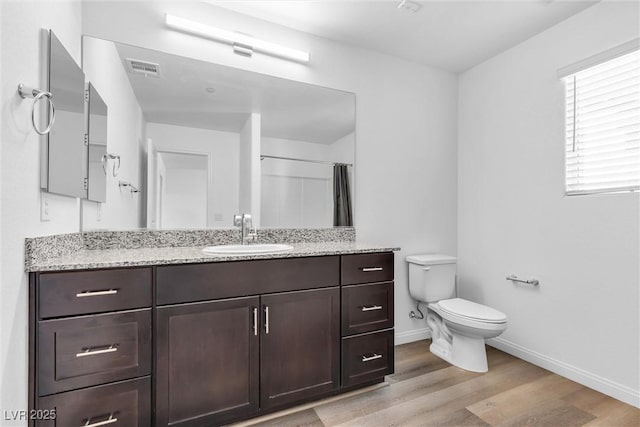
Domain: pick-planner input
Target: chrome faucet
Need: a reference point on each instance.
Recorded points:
(246, 225)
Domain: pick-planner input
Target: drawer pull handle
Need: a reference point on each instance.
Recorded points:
(370, 269)
(255, 321)
(370, 358)
(372, 308)
(111, 420)
(94, 351)
(96, 293)
(266, 319)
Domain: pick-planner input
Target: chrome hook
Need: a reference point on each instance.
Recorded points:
(108, 156)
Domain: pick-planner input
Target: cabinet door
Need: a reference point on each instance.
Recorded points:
(300, 346)
(207, 362)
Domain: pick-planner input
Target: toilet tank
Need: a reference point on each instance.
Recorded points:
(432, 277)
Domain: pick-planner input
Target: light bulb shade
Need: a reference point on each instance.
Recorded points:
(203, 30)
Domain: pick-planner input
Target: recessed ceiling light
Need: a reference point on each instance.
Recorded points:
(210, 89)
(409, 5)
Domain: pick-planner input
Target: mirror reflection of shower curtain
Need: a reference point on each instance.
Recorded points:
(342, 215)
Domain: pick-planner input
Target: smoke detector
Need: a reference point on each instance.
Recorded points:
(410, 6)
(148, 69)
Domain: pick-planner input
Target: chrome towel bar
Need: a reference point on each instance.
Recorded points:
(515, 278)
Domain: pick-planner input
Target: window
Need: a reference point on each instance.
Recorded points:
(603, 127)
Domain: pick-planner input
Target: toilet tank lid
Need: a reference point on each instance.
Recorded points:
(431, 259)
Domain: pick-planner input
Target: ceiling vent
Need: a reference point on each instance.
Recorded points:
(409, 6)
(137, 66)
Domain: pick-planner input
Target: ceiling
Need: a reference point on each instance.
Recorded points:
(448, 34)
(289, 109)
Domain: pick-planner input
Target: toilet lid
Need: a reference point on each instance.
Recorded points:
(463, 308)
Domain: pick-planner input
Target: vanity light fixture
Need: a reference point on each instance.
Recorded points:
(242, 44)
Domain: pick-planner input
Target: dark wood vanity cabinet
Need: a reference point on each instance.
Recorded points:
(207, 361)
(229, 358)
(227, 340)
(299, 346)
(90, 350)
(222, 360)
(367, 318)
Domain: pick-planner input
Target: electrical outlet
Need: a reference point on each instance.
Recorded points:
(44, 208)
(98, 212)
(218, 217)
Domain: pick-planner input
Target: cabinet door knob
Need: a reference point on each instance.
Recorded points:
(266, 319)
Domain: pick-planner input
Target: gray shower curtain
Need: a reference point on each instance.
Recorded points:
(341, 196)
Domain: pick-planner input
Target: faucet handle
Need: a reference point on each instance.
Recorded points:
(237, 219)
(253, 234)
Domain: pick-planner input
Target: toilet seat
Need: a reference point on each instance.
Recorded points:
(471, 311)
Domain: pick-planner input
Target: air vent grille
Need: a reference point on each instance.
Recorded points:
(149, 69)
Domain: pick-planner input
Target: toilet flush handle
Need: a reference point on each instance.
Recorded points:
(426, 268)
(515, 278)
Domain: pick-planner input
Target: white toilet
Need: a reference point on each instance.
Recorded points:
(458, 327)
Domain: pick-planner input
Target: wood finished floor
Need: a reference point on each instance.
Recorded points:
(426, 391)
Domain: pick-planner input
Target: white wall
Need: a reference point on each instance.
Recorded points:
(342, 150)
(405, 122)
(20, 48)
(125, 137)
(223, 151)
(582, 321)
(249, 169)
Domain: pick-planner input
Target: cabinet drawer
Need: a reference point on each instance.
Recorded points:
(91, 350)
(126, 403)
(367, 308)
(367, 357)
(84, 292)
(367, 268)
(200, 282)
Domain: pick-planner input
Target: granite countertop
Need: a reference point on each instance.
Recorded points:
(84, 259)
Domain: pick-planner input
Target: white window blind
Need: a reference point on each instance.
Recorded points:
(603, 127)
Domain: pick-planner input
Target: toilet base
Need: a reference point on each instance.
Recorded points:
(449, 343)
(470, 353)
(464, 352)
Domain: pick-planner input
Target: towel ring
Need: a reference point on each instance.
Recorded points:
(37, 94)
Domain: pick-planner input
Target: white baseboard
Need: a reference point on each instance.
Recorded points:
(588, 379)
(411, 336)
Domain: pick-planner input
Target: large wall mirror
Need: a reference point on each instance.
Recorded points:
(203, 142)
(63, 163)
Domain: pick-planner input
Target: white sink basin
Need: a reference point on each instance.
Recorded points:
(247, 249)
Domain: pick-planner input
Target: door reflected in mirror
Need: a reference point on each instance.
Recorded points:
(205, 141)
(180, 194)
